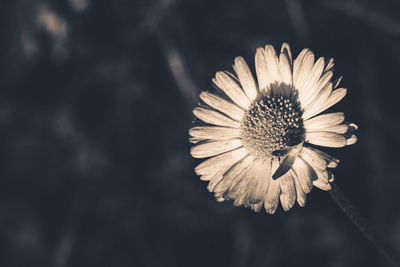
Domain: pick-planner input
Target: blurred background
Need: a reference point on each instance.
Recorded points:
(95, 104)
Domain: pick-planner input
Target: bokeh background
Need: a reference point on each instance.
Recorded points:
(95, 104)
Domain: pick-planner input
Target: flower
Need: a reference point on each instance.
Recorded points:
(260, 136)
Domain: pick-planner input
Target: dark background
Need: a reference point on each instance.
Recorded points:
(95, 105)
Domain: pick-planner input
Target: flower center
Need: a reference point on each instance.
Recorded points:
(271, 125)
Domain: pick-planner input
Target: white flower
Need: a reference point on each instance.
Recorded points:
(258, 136)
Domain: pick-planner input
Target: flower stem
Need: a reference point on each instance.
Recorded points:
(361, 223)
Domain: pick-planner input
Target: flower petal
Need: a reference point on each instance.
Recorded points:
(318, 103)
(214, 117)
(304, 174)
(215, 179)
(313, 158)
(231, 89)
(213, 148)
(319, 123)
(234, 175)
(214, 164)
(215, 133)
(330, 64)
(326, 139)
(288, 192)
(285, 49)
(271, 199)
(322, 181)
(245, 77)
(321, 185)
(257, 207)
(285, 69)
(331, 161)
(261, 70)
(335, 97)
(252, 188)
(322, 82)
(337, 81)
(260, 182)
(339, 129)
(297, 63)
(300, 194)
(352, 140)
(313, 78)
(222, 105)
(302, 73)
(272, 62)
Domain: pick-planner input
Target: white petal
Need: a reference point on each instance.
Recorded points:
(285, 69)
(320, 122)
(331, 177)
(260, 182)
(252, 188)
(302, 72)
(330, 64)
(214, 164)
(214, 117)
(300, 194)
(318, 103)
(219, 199)
(215, 133)
(313, 158)
(234, 175)
(337, 81)
(304, 174)
(322, 181)
(286, 50)
(326, 139)
(314, 76)
(256, 207)
(213, 148)
(352, 140)
(353, 125)
(272, 62)
(331, 161)
(297, 63)
(222, 105)
(231, 89)
(261, 70)
(322, 185)
(271, 199)
(288, 192)
(339, 129)
(335, 97)
(245, 77)
(216, 178)
(322, 82)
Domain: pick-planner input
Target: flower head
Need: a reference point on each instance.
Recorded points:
(259, 136)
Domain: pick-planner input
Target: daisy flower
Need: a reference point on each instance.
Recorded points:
(260, 135)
